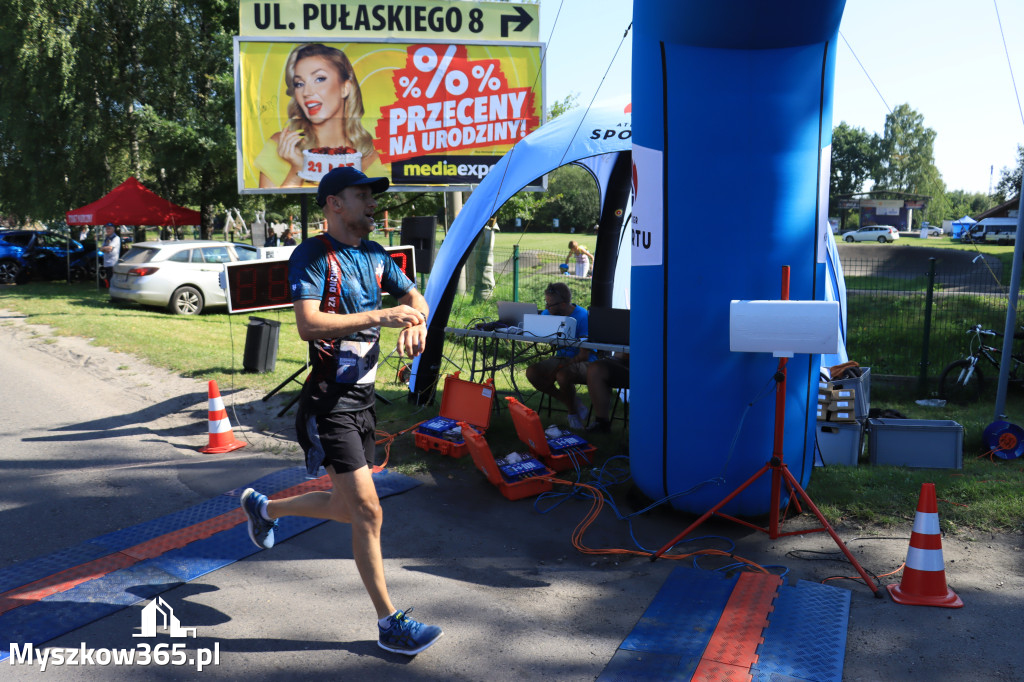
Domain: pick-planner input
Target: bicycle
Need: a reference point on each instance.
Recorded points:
(963, 381)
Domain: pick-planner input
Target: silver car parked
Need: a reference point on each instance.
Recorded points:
(873, 233)
(183, 276)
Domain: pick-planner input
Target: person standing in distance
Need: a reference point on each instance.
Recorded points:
(335, 281)
(111, 251)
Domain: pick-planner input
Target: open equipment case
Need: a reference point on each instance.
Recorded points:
(525, 478)
(563, 452)
(461, 401)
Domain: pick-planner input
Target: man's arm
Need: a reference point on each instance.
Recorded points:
(413, 339)
(314, 324)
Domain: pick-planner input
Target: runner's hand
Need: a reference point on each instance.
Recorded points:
(402, 316)
(412, 340)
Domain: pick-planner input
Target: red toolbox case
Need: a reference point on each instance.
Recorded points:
(560, 453)
(513, 487)
(462, 401)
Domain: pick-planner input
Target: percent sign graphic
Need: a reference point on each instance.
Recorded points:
(410, 86)
(455, 82)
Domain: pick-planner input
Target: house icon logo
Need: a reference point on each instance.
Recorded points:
(170, 623)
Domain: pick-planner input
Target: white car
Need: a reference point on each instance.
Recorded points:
(872, 233)
(183, 276)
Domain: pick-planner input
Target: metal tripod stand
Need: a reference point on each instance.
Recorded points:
(779, 472)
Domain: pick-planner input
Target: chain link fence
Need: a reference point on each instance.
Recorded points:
(909, 318)
(906, 314)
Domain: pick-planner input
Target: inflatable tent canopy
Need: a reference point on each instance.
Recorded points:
(598, 139)
(131, 203)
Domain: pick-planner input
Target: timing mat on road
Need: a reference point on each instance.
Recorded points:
(49, 596)
(705, 625)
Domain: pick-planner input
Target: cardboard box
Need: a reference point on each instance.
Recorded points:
(917, 443)
(861, 387)
(844, 415)
(840, 443)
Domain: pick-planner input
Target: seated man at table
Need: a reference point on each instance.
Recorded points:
(604, 375)
(568, 367)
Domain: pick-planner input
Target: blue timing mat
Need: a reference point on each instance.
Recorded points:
(106, 574)
(689, 631)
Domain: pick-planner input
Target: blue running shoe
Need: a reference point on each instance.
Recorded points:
(261, 531)
(407, 636)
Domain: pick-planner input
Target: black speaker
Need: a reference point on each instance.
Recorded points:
(418, 232)
(261, 339)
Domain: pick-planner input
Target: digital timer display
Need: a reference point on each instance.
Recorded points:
(263, 284)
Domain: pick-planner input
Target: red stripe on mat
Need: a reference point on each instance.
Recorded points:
(732, 649)
(63, 581)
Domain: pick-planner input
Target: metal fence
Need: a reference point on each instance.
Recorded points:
(906, 314)
(910, 318)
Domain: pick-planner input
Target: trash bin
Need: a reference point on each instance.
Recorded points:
(261, 345)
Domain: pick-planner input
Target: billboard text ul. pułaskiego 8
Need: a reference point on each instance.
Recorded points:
(422, 114)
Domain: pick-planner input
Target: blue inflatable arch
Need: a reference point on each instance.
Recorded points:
(598, 139)
(732, 106)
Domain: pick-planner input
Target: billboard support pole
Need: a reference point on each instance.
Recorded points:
(304, 216)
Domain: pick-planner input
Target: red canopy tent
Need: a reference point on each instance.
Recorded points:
(130, 203)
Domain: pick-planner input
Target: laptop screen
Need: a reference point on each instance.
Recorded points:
(511, 313)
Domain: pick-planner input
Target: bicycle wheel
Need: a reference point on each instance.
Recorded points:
(954, 388)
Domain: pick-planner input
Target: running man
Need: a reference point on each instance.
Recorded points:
(335, 281)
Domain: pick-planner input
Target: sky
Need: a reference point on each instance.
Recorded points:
(945, 58)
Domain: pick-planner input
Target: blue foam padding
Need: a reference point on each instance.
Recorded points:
(203, 556)
(63, 612)
(391, 483)
(683, 614)
(273, 482)
(642, 666)
(806, 634)
(143, 532)
(31, 570)
(805, 639)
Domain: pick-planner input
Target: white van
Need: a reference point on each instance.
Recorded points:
(993, 231)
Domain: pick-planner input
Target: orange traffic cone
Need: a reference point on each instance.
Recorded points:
(924, 578)
(222, 438)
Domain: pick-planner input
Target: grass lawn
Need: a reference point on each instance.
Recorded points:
(984, 495)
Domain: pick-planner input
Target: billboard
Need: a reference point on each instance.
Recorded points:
(425, 114)
(410, 20)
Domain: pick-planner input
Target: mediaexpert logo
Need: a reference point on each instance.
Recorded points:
(157, 618)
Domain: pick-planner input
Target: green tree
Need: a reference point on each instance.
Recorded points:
(1010, 179)
(853, 157)
(567, 103)
(96, 90)
(573, 199)
(905, 155)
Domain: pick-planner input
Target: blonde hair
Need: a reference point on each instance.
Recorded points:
(357, 135)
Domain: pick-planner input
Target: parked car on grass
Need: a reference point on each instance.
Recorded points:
(873, 233)
(183, 276)
(44, 255)
(991, 231)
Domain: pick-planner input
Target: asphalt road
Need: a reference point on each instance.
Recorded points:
(91, 442)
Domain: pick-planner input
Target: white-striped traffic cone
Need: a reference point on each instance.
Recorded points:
(222, 438)
(924, 577)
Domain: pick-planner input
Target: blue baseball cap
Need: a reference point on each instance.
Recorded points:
(347, 176)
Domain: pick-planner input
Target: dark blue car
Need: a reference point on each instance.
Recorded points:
(43, 255)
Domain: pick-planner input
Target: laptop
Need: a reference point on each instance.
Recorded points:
(541, 326)
(511, 313)
(609, 325)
